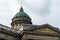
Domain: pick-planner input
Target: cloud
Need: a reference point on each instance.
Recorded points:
(41, 11)
(38, 6)
(7, 10)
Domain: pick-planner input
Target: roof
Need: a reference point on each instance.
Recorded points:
(9, 31)
(34, 27)
(21, 13)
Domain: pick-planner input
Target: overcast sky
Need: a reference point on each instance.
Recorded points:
(41, 11)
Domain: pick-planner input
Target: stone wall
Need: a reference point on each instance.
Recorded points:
(26, 37)
(6, 33)
(8, 37)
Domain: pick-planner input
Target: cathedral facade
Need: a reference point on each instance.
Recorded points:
(23, 29)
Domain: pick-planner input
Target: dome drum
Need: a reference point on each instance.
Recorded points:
(21, 18)
(21, 22)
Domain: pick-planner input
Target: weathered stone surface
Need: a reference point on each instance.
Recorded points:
(34, 37)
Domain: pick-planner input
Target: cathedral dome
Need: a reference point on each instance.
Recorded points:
(21, 18)
(21, 13)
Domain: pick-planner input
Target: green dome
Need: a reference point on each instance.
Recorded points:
(21, 13)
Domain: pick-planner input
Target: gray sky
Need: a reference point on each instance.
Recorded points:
(41, 11)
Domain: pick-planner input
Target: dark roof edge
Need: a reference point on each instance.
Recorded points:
(4, 25)
(39, 26)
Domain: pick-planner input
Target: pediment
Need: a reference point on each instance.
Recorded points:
(45, 30)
